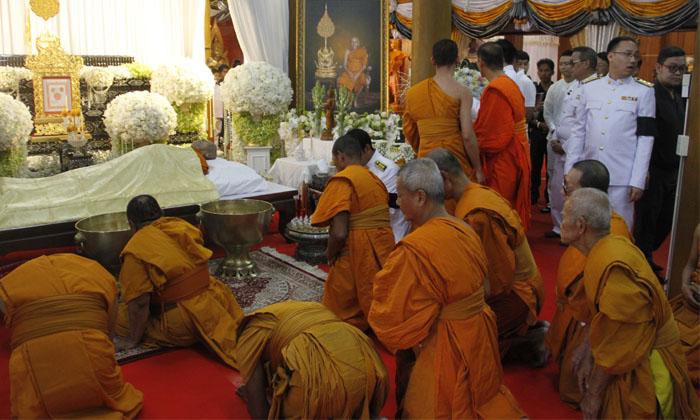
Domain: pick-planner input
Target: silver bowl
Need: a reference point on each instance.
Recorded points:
(236, 225)
(102, 238)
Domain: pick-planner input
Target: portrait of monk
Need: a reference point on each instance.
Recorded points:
(355, 64)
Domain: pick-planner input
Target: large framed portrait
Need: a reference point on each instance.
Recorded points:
(343, 43)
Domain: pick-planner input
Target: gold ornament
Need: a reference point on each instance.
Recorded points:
(325, 27)
(325, 65)
(44, 8)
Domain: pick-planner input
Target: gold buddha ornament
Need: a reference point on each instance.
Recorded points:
(325, 64)
(45, 9)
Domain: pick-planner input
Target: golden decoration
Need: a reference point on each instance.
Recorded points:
(44, 8)
(325, 27)
(325, 63)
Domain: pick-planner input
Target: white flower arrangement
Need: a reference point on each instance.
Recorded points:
(139, 117)
(120, 72)
(472, 79)
(11, 76)
(183, 81)
(15, 123)
(41, 166)
(257, 88)
(97, 77)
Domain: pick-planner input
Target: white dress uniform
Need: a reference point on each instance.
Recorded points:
(616, 127)
(557, 95)
(387, 171)
(527, 88)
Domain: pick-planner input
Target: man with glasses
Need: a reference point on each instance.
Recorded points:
(654, 212)
(617, 126)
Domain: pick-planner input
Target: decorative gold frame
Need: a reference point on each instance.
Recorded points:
(52, 61)
(300, 60)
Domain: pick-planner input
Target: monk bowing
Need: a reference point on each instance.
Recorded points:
(502, 133)
(632, 364)
(61, 310)
(169, 297)
(429, 304)
(438, 113)
(355, 206)
(513, 287)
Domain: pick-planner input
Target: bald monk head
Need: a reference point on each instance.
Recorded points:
(586, 219)
(588, 173)
(142, 210)
(454, 180)
(490, 60)
(420, 191)
(445, 53)
(206, 148)
(346, 151)
(365, 143)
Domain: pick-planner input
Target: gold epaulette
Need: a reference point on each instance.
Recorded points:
(644, 82)
(591, 78)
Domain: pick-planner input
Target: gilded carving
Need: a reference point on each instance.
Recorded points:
(44, 8)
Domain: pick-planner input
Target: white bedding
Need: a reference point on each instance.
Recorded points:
(233, 178)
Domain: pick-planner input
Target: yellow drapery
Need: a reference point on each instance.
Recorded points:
(483, 18)
(406, 21)
(651, 9)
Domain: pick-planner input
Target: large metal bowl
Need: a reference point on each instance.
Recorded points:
(102, 238)
(236, 226)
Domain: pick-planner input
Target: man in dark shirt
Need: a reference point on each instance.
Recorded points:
(654, 211)
(537, 130)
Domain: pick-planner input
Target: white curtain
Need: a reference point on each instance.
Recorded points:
(598, 36)
(539, 47)
(152, 31)
(262, 29)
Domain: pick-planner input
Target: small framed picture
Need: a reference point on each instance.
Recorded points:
(57, 94)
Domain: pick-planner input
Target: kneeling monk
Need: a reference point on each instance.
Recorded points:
(513, 286)
(61, 311)
(356, 205)
(429, 304)
(169, 297)
(318, 366)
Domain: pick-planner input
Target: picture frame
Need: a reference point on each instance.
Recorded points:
(326, 51)
(57, 94)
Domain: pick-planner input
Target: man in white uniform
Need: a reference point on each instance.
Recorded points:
(617, 126)
(553, 106)
(386, 170)
(527, 88)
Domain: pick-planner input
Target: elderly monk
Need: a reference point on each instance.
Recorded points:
(438, 113)
(502, 133)
(429, 304)
(513, 287)
(572, 313)
(686, 309)
(318, 366)
(61, 311)
(169, 297)
(355, 64)
(206, 150)
(355, 205)
(634, 366)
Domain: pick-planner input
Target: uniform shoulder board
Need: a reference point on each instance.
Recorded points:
(644, 82)
(379, 164)
(591, 78)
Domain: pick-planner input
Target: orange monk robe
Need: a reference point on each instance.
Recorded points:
(634, 337)
(688, 320)
(516, 290)
(424, 300)
(357, 59)
(502, 135)
(70, 372)
(348, 289)
(202, 161)
(431, 121)
(318, 366)
(156, 255)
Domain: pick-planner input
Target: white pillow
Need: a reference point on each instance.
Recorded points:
(231, 178)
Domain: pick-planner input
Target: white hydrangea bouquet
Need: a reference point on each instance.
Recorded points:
(472, 79)
(139, 118)
(257, 94)
(382, 125)
(10, 78)
(98, 81)
(15, 127)
(188, 85)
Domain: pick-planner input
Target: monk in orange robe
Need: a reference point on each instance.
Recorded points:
(169, 297)
(438, 113)
(572, 313)
(686, 309)
(502, 133)
(61, 311)
(633, 364)
(514, 289)
(355, 203)
(318, 366)
(355, 63)
(429, 304)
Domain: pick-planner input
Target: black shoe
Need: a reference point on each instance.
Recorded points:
(655, 266)
(562, 244)
(551, 234)
(546, 210)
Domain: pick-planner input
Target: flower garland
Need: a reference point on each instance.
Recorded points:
(257, 88)
(15, 126)
(183, 81)
(138, 118)
(472, 79)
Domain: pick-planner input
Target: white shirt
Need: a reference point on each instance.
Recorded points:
(606, 129)
(387, 171)
(570, 110)
(218, 102)
(553, 104)
(527, 88)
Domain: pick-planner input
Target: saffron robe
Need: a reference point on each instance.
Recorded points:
(501, 131)
(317, 365)
(431, 121)
(348, 289)
(568, 327)
(87, 382)
(688, 321)
(356, 60)
(512, 272)
(633, 335)
(425, 301)
(156, 255)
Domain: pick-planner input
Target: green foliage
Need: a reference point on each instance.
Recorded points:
(318, 94)
(11, 160)
(192, 120)
(256, 133)
(343, 98)
(139, 70)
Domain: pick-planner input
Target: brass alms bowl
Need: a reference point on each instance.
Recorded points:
(102, 238)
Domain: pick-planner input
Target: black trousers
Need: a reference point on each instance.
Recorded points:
(538, 151)
(653, 213)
